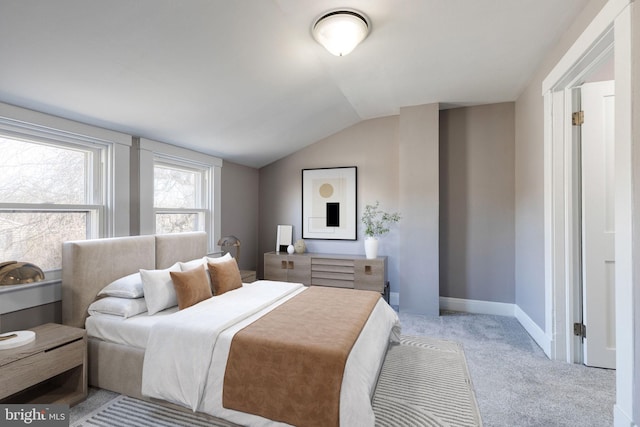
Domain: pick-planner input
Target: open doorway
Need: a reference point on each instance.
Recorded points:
(613, 23)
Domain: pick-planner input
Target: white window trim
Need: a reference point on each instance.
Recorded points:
(111, 156)
(204, 203)
(114, 146)
(151, 150)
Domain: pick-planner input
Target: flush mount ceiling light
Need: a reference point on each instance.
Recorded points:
(341, 31)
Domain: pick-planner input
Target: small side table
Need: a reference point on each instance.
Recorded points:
(248, 276)
(51, 369)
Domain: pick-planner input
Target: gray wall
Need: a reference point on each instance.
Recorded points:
(419, 200)
(239, 212)
(477, 202)
(31, 317)
(398, 164)
(529, 166)
(371, 146)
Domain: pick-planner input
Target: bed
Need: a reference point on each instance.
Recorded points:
(118, 347)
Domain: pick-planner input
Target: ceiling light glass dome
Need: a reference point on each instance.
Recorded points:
(341, 31)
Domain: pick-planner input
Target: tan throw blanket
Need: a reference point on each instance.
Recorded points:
(288, 365)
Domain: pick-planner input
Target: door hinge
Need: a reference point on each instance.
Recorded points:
(580, 330)
(577, 118)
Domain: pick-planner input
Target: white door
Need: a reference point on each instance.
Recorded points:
(598, 224)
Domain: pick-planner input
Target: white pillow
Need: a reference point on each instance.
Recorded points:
(186, 266)
(225, 257)
(190, 265)
(158, 289)
(125, 307)
(125, 287)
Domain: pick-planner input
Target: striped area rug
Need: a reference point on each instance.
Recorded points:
(424, 382)
(124, 411)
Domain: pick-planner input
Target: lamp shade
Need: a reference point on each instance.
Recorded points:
(229, 241)
(341, 31)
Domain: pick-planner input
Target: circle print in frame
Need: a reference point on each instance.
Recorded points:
(326, 190)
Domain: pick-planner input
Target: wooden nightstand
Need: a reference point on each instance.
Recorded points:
(248, 276)
(51, 369)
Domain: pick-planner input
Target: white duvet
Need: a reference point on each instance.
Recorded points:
(186, 354)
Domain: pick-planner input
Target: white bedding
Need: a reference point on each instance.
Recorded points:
(133, 331)
(179, 350)
(197, 383)
(358, 383)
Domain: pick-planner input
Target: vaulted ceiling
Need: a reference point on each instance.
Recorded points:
(245, 80)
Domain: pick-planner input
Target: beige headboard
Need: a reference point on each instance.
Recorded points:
(90, 265)
(171, 248)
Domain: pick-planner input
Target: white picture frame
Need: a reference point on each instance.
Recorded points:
(284, 237)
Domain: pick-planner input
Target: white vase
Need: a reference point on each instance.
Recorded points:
(371, 247)
(290, 249)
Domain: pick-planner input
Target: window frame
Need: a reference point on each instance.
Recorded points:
(203, 189)
(37, 128)
(94, 205)
(149, 150)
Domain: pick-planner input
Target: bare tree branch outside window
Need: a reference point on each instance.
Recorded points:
(177, 189)
(33, 175)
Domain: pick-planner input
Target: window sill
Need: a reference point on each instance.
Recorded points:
(19, 297)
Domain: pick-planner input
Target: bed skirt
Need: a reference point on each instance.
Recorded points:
(118, 368)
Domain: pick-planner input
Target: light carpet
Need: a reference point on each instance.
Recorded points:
(423, 382)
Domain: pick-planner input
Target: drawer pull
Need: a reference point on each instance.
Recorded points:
(283, 266)
(368, 270)
(62, 345)
(290, 265)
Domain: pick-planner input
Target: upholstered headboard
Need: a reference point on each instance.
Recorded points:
(90, 265)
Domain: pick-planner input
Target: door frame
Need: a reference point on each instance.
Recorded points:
(610, 28)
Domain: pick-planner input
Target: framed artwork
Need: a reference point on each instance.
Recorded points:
(329, 198)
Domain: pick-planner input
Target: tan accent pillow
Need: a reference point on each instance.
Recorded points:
(191, 286)
(225, 276)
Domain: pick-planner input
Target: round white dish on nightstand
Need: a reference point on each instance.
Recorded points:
(23, 337)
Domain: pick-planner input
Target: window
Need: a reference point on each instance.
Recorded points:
(50, 192)
(181, 201)
(178, 190)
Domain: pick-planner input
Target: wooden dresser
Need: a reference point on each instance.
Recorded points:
(319, 269)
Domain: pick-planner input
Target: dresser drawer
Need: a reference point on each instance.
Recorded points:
(332, 262)
(332, 272)
(343, 269)
(39, 367)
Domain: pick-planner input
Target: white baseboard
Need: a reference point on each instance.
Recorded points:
(476, 306)
(621, 419)
(499, 309)
(494, 308)
(534, 330)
